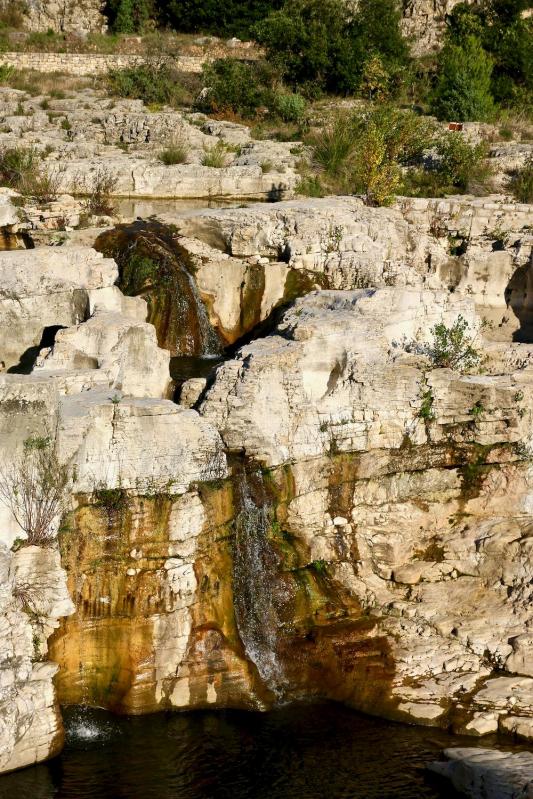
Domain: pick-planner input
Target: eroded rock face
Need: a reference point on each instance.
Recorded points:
(63, 16)
(423, 23)
(336, 516)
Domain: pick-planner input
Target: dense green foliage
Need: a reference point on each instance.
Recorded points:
(386, 151)
(129, 16)
(228, 18)
(321, 45)
(506, 36)
(463, 90)
(235, 86)
(153, 82)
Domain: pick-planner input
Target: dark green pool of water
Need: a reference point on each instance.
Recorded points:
(295, 752)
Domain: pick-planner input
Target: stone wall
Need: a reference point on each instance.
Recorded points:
(86, 63)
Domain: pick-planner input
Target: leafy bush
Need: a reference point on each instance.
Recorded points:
(365, 153)
(463, 166)
(12, 14)
(154, 82)
(236, 86)
(453, 347)
(232, 18)
(463, 90)
(521, 183)
(290, 107)
(129, 16)
(322, 45)
(506, 34)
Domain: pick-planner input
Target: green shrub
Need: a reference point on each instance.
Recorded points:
(387, 139)
(216, 156)
(232, 18)
(334, 144)
(153, 82)
(290, 107)
(21, 169)
(129, 16)
(310, 186)
(235, 86)
(175, 153)
(12, 14)
(322, 45)
(521, 183)
(6, 73)
(453, 347)
(463, 166)
(506, 34)
(463, 90)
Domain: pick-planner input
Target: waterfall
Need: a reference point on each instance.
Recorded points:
(153, 265)
(258, 591)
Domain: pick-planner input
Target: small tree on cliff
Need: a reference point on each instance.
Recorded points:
(129, 16)
(463, 90)
(33, 485)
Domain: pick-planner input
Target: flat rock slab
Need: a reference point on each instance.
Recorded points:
(488, 773)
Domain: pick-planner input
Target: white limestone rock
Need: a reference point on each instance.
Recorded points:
(488, 773)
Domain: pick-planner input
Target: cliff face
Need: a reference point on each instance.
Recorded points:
(339, 515)
(65, 16)
(423, 23)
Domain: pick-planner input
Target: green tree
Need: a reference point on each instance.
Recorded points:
(228, 18)
(463, 90)
(129, 16)
(322, 44)
(388, 139)
(507, 35)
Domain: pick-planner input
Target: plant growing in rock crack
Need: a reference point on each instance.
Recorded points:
(477, 410)
(426, 407)
(216, 156)
(27, 596)
(175, 152)
(452, 347)
(33, 486)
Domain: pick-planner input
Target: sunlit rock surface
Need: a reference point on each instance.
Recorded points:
(328, 514)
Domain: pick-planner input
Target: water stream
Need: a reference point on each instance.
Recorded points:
(256, 584)
(152, 265)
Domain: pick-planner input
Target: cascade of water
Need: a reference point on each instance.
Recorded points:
(153, 265)
(255, 580)
(209, 341)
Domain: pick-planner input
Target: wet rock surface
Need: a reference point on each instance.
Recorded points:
(329, 512)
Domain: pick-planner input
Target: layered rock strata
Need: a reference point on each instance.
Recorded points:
(335, 514)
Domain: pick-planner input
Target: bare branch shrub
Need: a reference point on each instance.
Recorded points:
(33, 485)
(97, 188)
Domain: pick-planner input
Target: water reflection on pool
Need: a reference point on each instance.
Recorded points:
(295, 752)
